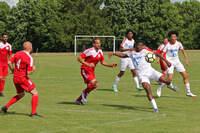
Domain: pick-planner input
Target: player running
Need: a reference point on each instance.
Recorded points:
(171, 50)
(23, 67)
(163, 65)
(126, 46)
(89, 59)
(145, 71)
(5, 54)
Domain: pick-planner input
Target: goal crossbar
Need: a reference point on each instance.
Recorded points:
(82, 36)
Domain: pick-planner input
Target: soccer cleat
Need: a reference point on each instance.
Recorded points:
(35, 115)
(78, 102)
(189, 94)
(115, 88)
(174, 88)
(156, 110)
(84, 96)
(159, 90)
(140, 89)
(1, 95)
(4, 109)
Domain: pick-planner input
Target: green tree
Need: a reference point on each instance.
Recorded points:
(4, 13)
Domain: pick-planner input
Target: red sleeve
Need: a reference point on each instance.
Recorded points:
(10, 53)
(30, 64)
(83, 55)
(148, 49)
(102, 58)
(158, 51)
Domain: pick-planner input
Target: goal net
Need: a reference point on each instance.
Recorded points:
(83, 42)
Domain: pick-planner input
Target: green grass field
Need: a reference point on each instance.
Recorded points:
(59, 82)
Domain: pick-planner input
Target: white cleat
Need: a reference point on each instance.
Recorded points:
(115, 88)
(159, 92)
(189, 94)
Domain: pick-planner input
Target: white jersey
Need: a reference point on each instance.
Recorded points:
(139, 61)
(127, 44)
(171, 51)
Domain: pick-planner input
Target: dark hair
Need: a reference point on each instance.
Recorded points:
(172, 32)
(139, 41)
(129, 30)
(4, 34)
(94, 39)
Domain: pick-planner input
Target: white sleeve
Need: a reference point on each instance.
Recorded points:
(180, 46)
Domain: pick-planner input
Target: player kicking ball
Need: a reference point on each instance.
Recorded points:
(171, 50)
(126, 46)
(89, 59)
(145, 71)
(23, 67)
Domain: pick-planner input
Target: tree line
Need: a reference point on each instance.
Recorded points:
(52, 24)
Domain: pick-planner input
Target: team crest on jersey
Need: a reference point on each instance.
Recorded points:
(7, 48)
(99, 55)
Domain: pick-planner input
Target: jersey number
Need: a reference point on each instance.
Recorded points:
(18, 64)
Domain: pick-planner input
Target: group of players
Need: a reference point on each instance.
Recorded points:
(23, 62)
(132, 55)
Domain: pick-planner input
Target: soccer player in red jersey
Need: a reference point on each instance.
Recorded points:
(163, 65)
(23, 67)
(5, 54)
(89, 59)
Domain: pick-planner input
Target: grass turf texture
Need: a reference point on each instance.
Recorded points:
(59, 83)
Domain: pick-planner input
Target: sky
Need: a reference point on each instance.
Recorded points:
(14, 2)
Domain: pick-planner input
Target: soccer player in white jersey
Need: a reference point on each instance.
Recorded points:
(145, 71)
(126, 46)
(171, 50)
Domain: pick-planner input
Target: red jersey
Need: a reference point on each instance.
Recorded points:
(23, 63)
(160, 50)
(92, 56)
(5, 51)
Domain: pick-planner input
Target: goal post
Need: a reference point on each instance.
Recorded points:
(77, 37)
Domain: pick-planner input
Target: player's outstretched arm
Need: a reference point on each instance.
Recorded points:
(108, 65)
(125, 49)
(10, 65)
(82, 61)
(186, 57)
(165, 60)
(121, 55)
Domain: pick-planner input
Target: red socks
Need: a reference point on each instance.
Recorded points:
(13, 100)
(34, 103)
(86, 91)
(2, 85)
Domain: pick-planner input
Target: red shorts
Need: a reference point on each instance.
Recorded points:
(23, 84)
(163, 65)
(87, 75)
(3, 70)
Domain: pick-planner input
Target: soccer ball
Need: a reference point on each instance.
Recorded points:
(150, 57)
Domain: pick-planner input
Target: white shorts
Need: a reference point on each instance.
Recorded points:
(177, 65)
(126, 62)
(149, 75)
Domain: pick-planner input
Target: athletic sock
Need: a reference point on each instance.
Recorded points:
(162, 85)
(34, 103)
(187, 85)
(153, 102)
(116, 80)
(13, 100)
(136, 82)
(79, 98)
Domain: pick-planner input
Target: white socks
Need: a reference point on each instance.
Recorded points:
(153, 102)
(162, 85)
(136, 82)
(116, 80)
(187, 85)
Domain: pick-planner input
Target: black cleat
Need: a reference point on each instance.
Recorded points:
(1, 95)
(78, 102)
(4, 109)
(35, 115)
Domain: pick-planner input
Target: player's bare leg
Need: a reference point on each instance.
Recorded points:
(135, 79)
(147, 88)
(187, 84)
(12, 101)
(90, 86)
(121, 73)
(2, 84)
(34, 102)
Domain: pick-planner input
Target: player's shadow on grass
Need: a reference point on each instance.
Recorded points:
(64, 102)
(13, 113)
(145, 109)
(158, 97)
